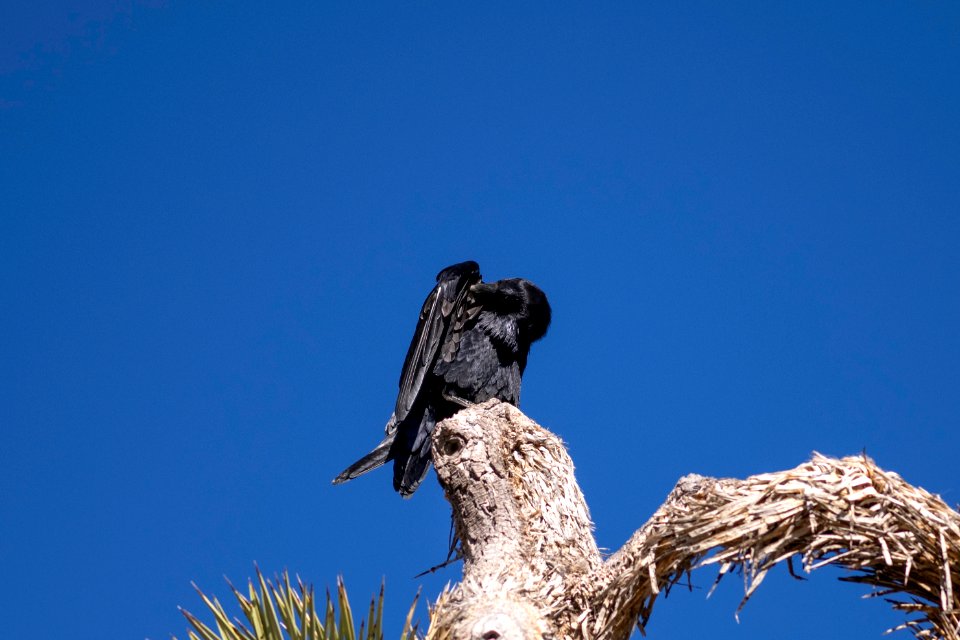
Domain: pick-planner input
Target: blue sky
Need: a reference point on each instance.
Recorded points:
(219, 221)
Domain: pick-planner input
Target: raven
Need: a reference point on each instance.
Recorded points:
(470, 345)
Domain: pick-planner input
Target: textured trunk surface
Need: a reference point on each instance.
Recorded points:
(532, 568)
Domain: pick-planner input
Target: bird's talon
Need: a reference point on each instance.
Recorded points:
(466, 404)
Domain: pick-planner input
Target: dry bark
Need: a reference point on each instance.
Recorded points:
(533, 570)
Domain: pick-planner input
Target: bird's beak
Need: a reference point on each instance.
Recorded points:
(482, 289)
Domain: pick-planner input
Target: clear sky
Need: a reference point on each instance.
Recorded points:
(218, 221)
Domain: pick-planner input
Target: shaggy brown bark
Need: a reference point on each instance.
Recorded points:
(532, 568)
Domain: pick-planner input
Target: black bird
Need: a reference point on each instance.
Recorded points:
(470, 345)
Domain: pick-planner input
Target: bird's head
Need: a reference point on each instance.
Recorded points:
(521, 299)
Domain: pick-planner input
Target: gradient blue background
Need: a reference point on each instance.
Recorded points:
(218, 221)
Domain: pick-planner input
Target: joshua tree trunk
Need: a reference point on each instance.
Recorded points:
(532, 568)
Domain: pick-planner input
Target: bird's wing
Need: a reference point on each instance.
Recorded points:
(453, 284)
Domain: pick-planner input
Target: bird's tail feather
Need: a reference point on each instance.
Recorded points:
(414, 472)
(409, 473)
(368, 462)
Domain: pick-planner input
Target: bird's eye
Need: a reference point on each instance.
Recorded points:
(453, 446)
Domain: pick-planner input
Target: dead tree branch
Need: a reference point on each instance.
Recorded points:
(532, 568)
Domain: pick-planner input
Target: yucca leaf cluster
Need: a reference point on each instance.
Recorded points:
(283, 610)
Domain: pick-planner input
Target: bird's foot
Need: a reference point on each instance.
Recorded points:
(457, 401)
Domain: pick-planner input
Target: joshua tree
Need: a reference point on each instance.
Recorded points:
(532, 568)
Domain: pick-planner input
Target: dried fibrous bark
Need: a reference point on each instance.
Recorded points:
(532, 568)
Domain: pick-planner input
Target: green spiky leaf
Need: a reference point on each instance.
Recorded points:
(280, 610)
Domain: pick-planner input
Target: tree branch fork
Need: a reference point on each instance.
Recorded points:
(532, 568)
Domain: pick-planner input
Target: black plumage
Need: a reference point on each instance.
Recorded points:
(470, 345)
